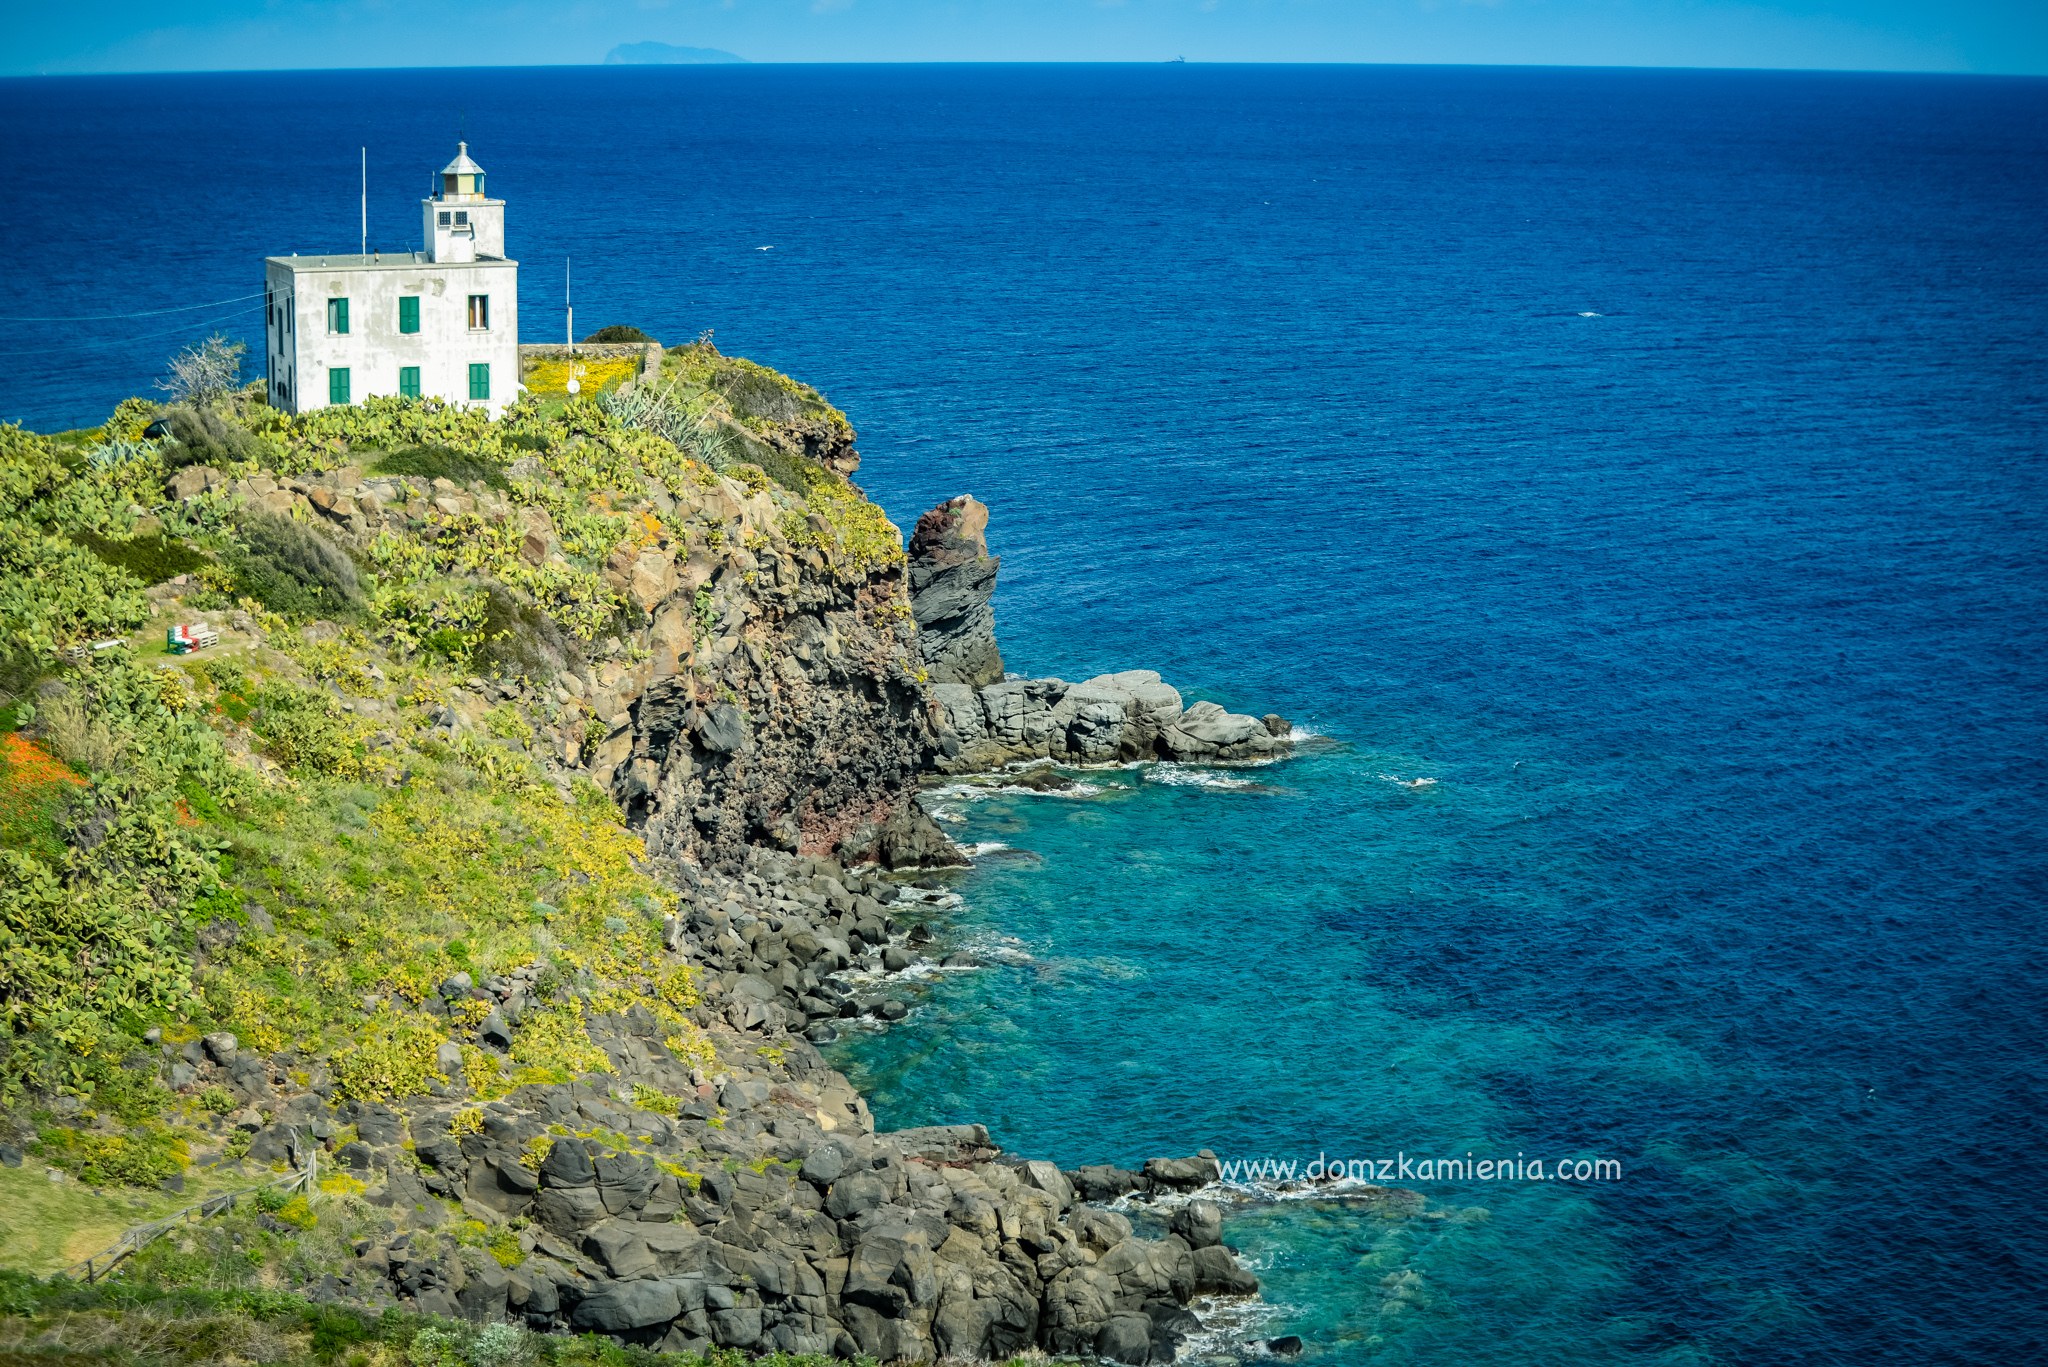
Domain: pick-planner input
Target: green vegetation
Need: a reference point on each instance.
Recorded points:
(443, 462)
(47, 1226)
(300, 834)
(141, 1157)
(293, 570)
(204, 1305)
(152, 559)
(755, 396)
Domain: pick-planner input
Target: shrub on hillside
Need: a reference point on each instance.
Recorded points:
(617, 332)
(201, 436)
(55, 593)
(143, 1157)
(520, 638)
(295, 571)
(444, 462)
(152, 559)
(309, 732)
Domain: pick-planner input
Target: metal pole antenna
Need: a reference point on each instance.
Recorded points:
(366, 201)
(568, 306)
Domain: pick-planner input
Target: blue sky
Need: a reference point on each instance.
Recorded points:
(2009, 36)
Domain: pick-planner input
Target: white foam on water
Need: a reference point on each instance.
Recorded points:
(957, 792)
(983, 792)
(934, 897)
(999, 949)
(1229, 1192)
(1187, 776)
(1234, 1325)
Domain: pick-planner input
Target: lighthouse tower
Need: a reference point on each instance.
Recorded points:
(461, 223)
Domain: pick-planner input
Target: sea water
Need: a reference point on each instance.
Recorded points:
(1632, 480)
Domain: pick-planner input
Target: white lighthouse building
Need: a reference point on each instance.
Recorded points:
(440, 323)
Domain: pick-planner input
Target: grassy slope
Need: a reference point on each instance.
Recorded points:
(276, 837)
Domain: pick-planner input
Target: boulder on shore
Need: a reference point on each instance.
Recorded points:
(1110, 719)
(984, 719)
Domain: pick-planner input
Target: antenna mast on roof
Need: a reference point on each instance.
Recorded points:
(366, 201)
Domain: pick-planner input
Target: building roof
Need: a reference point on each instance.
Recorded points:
(462, 165)
(377, 261)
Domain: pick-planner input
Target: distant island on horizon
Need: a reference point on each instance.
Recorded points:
(668, 54)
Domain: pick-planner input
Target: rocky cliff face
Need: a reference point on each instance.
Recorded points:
(792, 720)
(762, 686)
(952, 578)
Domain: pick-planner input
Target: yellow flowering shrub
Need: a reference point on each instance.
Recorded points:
(393, 1056)
(593, 374)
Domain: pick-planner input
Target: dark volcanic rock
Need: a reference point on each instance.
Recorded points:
(1199, 1224)
(625, 1306)
(952, 577)
(762, 1212)
(908, 839)
(1126, 1338)
(1183, 1174)
(1101, 1182)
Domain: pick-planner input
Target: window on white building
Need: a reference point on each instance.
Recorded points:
(479, 313)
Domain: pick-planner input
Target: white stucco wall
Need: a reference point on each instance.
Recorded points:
(481, 234)
(300, 351)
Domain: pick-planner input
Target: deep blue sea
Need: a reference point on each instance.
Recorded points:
(1654, 460)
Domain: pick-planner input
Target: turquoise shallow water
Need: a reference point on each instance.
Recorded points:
(1191, 958)
(1654, 459)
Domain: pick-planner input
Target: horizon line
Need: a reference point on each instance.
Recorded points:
(1102, 62)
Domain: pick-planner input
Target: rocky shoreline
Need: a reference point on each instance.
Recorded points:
(762, 1212)
(768, 728)
(988, 719)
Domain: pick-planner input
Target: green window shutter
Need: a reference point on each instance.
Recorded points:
(409, 381)
(337, 385)
(480, 381)
(409, 313)
(337, 315)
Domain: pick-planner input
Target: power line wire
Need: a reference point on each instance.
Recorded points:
(55, 350)
(147, 313)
